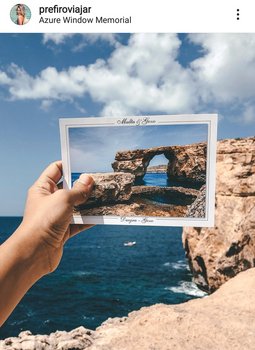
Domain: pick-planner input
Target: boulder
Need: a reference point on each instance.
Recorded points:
(79, 338)
(110, 188)
(219, 253)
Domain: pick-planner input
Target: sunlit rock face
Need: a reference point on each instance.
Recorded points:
(219, 253)
(185, 163)
(111, 188)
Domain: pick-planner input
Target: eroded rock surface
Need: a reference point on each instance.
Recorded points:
(174, 195)
(186, 163)
(79, 338)
(223, 320)
(219, 253)
(197, 208)
(111, 188)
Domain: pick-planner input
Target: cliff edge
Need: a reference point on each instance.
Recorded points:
(223, 320)
(219, 253)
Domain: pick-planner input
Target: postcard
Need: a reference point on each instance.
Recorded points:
(148, 170)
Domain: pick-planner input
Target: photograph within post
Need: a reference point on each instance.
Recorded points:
(147, 170)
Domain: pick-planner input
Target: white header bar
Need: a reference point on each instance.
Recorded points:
(115, 16)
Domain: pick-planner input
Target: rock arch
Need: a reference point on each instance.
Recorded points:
(185, 163)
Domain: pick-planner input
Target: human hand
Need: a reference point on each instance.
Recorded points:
(36, 247)
(48, 213)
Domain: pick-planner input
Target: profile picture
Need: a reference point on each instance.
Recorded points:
(20, 14)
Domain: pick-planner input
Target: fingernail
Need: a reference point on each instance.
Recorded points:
(86, 179)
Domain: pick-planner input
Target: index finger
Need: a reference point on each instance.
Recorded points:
(52, 173)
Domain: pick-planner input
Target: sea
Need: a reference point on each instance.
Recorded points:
(153, 179)
(100, 277)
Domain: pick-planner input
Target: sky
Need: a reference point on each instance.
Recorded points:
(47, 76)
(94, 149)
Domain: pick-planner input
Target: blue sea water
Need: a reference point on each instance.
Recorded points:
(152, 179)
(99, 277)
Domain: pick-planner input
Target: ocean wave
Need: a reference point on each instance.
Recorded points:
(188, 288)
(177, 265)
(81, 273)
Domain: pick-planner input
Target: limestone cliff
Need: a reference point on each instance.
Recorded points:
(223, 320)
(186, 163)
(219, 253)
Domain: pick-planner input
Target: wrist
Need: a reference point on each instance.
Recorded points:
(29, 252)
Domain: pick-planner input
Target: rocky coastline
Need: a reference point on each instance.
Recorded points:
(223, 320)
(122, 192)
(222, 261)
(219, 253)
(157, 169)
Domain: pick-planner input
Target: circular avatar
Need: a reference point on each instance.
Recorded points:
(20, 14)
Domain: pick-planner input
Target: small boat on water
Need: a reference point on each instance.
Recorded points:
(129, 244)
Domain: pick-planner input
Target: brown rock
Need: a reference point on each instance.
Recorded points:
(186, 163)
(78, 339)
(175, 195)
(197, 208)
(223, 320)
(219, 253)
(110, 188)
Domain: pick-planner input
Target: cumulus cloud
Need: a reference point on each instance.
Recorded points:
(85, 38)
(49, 84)
(145, 76)
(227, 68)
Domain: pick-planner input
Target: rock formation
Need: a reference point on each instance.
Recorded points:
(197, 208)
(219, 253)
(174, 195)
(135, 200)
(186, 163)
(111, 188)
(223, 320)
(79, 338)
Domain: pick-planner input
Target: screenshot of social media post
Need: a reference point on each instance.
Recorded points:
(127, 150)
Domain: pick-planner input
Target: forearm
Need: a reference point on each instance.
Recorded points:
(22, 263)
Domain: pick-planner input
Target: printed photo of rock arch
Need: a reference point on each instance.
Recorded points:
(149, 171)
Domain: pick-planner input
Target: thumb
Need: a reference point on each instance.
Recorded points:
(81, 190)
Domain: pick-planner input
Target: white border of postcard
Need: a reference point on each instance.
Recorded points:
(209, 119)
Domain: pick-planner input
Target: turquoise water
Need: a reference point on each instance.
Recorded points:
(99, 277)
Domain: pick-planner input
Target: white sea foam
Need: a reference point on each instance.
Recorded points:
(81, 273)
(178, 265)
(188, 288)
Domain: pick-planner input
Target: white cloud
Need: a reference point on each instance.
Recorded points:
(145, 76)
(94, 149)
(49, 84)
(85, 38)
(46, 104)
(4, 79)
(227, 69)
(56, 38)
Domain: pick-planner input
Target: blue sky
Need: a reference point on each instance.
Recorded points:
(44, 77)
(94, 149)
